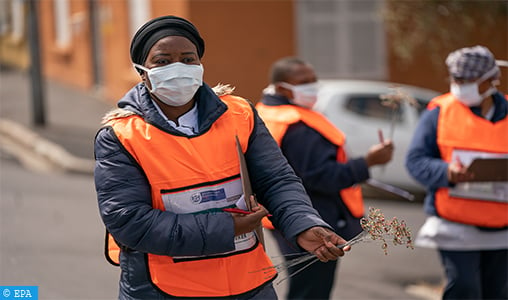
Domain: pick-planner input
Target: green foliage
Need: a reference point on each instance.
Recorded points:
(439, 26)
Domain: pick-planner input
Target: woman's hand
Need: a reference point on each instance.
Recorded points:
(245, 223)
(322, 242)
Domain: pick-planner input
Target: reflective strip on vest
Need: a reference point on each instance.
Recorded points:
(277, 120)
(459, 129)
(201, 175)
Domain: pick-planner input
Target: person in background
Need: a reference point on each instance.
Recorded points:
(314, 148)
(167, 166)
(467, 221)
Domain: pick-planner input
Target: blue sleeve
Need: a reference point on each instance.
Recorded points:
(125, 205)
(314, 159)
(277, 187)
(423, 159)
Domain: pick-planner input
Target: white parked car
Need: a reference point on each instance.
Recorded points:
(356, 108)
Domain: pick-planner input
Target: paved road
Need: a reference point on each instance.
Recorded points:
(51, 236)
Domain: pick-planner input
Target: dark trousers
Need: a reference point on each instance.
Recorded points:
(475, 274)
(314, 282)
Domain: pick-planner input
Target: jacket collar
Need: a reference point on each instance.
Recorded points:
(274, 100)
(209, 105)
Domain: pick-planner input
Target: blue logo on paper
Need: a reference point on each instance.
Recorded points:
(208, 196)
(19, 292)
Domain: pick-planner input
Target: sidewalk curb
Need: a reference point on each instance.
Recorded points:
(426, 291)
(15, 136)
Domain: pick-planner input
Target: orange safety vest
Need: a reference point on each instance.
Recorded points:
(277, 120)
(202, 174)
(459, 128)
(111, 250)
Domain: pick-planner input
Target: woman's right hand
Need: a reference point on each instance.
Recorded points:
(323, 243)
(245, 223)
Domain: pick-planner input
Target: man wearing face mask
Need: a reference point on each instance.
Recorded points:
(167, 170)
(315, 149)
(467, 221)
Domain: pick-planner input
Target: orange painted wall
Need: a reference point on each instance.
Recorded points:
(71, 64)
(174, 7)
(118, 74)
(243, 38)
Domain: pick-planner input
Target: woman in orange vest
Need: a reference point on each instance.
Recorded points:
(167, 167)
(314, 147)
(467, 220)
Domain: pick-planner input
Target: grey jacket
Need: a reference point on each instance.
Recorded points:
(125, 204)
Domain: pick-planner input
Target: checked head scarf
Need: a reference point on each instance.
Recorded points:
(471, 63)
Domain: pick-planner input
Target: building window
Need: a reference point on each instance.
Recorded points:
(12, 19)
(342, 38)
(61, 10)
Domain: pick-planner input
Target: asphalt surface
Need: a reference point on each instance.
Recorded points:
(72, 118)
(51, 234)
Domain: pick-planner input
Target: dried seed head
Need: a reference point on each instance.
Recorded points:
(380, 229)
(396, 96)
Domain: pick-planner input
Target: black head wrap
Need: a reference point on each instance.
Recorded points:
(160, 27)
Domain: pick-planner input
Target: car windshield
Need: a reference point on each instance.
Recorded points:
(371, 106)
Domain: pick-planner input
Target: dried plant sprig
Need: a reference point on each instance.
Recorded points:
(394, 100)
(396, 97)
(375, 227)
(305, 257)
(381, 229)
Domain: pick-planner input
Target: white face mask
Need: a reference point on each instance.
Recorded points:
(304, 95)
(468, 93)
(174, 84)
